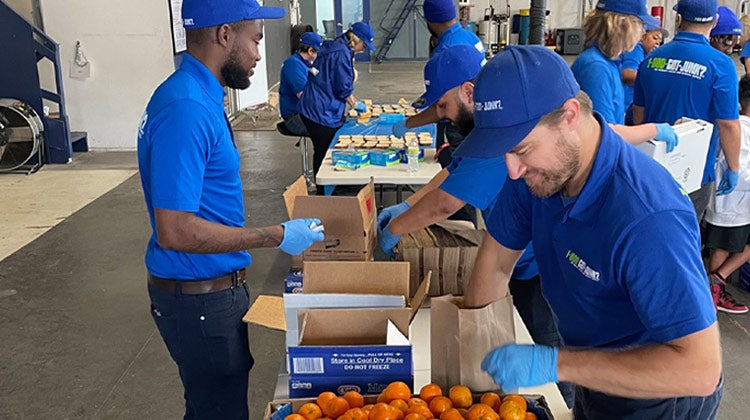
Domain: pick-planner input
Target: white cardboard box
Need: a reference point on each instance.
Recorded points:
(687, 160)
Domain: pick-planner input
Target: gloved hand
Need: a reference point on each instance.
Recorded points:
(399, 128)
(360, 106)
(388, 241)
(390, 213)
(665, 132)
(728, 182)
(298, 235)
(521, 365)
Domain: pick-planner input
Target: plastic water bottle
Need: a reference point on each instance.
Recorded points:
(412, 156)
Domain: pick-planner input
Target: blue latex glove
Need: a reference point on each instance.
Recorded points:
(399, 128)
(390, 213)
(388, 241)
(298, 235)
(665, 132)
(728, 182)
(513, 366)
(360, 106)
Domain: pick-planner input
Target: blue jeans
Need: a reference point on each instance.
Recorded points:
(207, 339)
(596, 405)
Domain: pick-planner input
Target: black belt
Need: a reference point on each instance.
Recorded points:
(199, 287)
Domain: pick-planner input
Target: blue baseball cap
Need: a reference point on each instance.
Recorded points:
(365, 33)
(448, 69)
(438, 11)
(312, 39)
(700, 11)
(512, 92)
(728, 24)
(206, 13)
(629, 7)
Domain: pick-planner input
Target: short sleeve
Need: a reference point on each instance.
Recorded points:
(509, 220)
(475, 181)
(593, 81)
(725, 97)
(632, 59)
(180, 142)
(297, 78)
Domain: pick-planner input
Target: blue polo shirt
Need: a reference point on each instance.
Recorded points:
(324, 97)
(630, 60)
(688, 78)
(188, 162)
(457, 35)
(599, 77)
(621, 265)
(745, 52)
(293, 78)
(478, 182)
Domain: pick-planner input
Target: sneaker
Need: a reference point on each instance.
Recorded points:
(723, 300)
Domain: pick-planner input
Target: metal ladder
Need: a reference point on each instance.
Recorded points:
(392, 32)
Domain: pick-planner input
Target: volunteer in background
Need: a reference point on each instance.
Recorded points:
(727, 232)
(616, 243)
(190, 173)
(448, 84)
(613, 28)
(745, 20)
(703, 86)
(293, 78)
(330, 87)
(630, 61)
(727, 32)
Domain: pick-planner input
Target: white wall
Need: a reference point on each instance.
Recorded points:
(129, 46)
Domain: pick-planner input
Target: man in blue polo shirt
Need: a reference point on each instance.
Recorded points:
(190, 173)
(293, 78)
(689, 78)
(616, 243)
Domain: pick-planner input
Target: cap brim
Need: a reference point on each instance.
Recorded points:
(425, 100)
(650, 21)
(494, 142)
(267, 12)
(368, 44)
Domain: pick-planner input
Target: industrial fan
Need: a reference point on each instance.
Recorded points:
(21, 136)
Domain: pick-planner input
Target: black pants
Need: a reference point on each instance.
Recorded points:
(321, 137)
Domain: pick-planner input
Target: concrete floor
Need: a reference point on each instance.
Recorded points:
(77, 337)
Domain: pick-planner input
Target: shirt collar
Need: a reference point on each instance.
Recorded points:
(691, 37)
(205, 78)
(600, 176)
(299, 57)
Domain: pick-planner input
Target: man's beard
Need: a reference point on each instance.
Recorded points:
(234, 75)
(465, 120)
(549, 182)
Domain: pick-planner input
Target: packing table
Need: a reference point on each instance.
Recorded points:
(397, 175)
(420, 339)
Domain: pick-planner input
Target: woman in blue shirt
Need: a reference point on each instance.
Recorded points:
(330, 88)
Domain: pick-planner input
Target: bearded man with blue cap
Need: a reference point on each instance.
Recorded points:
(616, 242)
(190, 173)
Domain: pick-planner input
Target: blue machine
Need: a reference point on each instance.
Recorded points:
(24, 46)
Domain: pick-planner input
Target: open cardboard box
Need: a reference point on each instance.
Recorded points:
(349, 222)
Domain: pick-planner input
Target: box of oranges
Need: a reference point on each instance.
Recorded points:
(397, 401)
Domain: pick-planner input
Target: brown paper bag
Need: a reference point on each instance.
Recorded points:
(460, 338)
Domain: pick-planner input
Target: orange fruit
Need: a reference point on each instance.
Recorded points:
(414, 416)
(422, 409)
(530, 416)
(430, 391)
(521, 401)
(324, 397)
(353, 414)
(355, 399)
(439, 405)
(367, 408)
(400, 404)
(396, 391)
(335, 407)
(510, 410)
(294, 417)
(452, 414)
(310, 411)
(481, 412)
(461, 396)
(491, 399)
(383, 411)
(416, 401)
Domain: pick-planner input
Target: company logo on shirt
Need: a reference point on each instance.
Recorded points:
(581, 265)
(674, 66)
(188, 22)
(142, 124)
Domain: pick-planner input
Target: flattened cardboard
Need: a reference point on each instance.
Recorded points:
(267, 311)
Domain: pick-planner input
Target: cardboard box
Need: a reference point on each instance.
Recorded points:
(448, 254)
(688, 159)
(349, 222)
(278, 409)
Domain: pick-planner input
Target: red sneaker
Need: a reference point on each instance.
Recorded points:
(723, 300)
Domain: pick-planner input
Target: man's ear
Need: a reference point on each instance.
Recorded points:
(224, 35)
(467, 92)
(572, 117)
